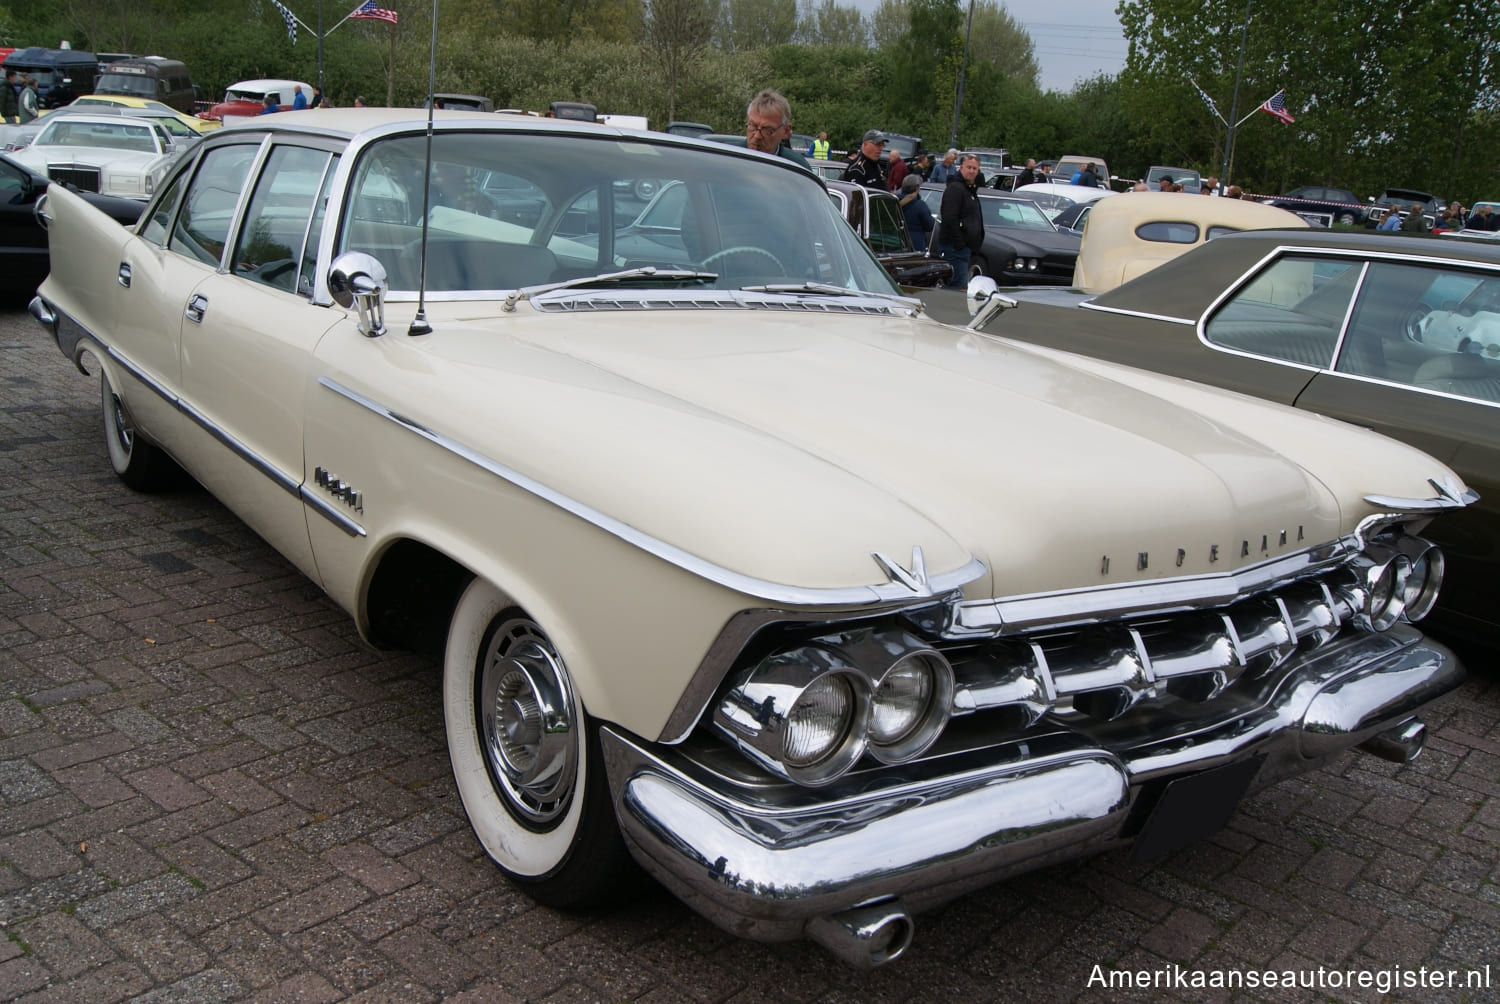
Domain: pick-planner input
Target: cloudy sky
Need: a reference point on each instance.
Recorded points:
(1073, 39)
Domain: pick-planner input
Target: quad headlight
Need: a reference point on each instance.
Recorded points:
(1393, 579)
(809, 712)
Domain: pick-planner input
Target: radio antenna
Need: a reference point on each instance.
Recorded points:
(419, 325)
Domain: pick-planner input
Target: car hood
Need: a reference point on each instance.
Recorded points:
(38, 157)
(1036, 242)
(789, 446)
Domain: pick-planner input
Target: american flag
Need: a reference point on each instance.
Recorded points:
(369, 11)
(289, 18)
(1276, 105)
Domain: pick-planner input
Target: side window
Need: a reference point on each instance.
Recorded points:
(1434, 328)
(11, 185)
(886, 233)
(271, 244)
(310, 251)
(1292, 311)
(160, 219)
(1166, 232)
(208, 207)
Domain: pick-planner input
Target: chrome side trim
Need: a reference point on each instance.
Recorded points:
(1091, 305)
(78, 340)
(894, 593)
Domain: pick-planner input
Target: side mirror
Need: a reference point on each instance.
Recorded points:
(986, 301)
(358, 280)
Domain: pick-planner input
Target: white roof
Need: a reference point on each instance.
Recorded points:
(1073, 193)
(258, 89)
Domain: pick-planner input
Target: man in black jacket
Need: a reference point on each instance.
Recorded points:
(10, 107)
(962, 230)
(865, 169)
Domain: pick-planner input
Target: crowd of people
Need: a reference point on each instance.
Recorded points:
(18, 101)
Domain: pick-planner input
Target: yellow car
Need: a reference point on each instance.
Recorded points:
(191, 123)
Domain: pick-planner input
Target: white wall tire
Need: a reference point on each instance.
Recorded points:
(140, 464)
(525, 758)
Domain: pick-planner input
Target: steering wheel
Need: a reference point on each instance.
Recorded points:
(1414, 327)
(744, 249)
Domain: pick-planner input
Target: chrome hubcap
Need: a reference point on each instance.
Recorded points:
(124, 432)
(528, 722)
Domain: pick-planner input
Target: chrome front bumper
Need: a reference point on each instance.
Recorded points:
(773, 861)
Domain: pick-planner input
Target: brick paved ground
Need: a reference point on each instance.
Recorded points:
(212, 790)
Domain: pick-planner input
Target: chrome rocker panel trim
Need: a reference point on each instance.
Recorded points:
(73, 339)
(763, 861)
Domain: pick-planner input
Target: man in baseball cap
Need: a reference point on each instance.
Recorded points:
(866, 168)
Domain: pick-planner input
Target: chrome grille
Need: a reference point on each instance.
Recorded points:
(85, 179)
(1104, 670)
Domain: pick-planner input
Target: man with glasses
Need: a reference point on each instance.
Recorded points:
(768, 127)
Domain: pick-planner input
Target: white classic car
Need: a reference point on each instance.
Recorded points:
(732, 568)
(109, 153)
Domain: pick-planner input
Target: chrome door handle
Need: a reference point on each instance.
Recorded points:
(196, 305)
(123, 276)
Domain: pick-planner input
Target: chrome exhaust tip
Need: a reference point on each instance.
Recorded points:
(1401, 744)
(867, 935)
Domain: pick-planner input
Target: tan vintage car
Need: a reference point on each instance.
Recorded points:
(1128, 237)
(730, 562)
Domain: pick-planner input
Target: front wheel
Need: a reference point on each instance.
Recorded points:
(140, 464)
(526, 761)
(978, 266)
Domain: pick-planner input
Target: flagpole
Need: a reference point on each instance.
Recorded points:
(320, 46)
(1234, 102)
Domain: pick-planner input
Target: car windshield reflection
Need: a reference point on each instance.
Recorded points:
(513, 211)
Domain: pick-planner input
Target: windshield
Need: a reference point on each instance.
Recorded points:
(136, 84)
(107, 135)
(1014, 214)
(510, 210)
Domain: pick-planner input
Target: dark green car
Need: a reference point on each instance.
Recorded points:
(1400, 334)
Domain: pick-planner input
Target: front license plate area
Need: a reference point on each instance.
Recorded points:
(1187, 809)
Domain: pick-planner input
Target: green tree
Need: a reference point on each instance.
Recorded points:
(829, 23)
(745, 25)
(677, 31)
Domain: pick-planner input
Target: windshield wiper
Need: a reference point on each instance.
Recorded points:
(831, 290)
(647, 272)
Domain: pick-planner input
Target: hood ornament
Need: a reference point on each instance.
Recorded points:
(914, 578)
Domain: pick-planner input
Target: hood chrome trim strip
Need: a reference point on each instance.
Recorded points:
(895, 594)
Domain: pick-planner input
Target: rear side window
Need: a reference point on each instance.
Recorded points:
(208, 207)
(1166, 232)
(886, 226)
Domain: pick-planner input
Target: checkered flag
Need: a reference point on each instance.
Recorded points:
(289, 18)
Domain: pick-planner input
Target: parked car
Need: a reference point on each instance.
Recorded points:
(458, 102)
(1132, 235)
(876, 216)
(1072, 219)
(165, 80)
(1021, 246)
(1070, 165)
(248, 98)
(1386, 331)
(23, 243)
(1053, 197)
(156, 109)
(52, 67)
(900, 145)
(1402, 199)
(694, 129)
(110, 154)
(1190, 180)
(820, 611)
(1322, 205)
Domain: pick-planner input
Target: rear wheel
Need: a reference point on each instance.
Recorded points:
(1347, 219)
(526, 760)
(140, 464)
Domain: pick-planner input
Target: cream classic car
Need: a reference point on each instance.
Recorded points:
(728, 569)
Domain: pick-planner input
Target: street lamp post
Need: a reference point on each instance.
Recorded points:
(958, 101)
(1234, 102)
